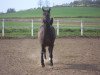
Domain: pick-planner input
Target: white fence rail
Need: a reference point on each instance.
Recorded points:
(57, 25)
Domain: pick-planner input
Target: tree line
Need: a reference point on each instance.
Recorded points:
(85, 3)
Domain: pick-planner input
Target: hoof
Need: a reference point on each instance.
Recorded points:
(43, 65)
(51, 64)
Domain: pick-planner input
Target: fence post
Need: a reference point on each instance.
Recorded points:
(3, 27)
(81, 28)
(32, 28)
(57, 27)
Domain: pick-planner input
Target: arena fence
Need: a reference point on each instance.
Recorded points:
(29, 27)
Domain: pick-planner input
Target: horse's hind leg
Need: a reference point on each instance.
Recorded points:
(42, 59)
(51, 55)
(45, 53)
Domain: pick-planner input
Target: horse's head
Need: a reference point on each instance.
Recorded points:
(46, 13)
(46, 16)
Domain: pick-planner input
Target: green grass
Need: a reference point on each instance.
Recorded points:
(66, 31)
(76, 32)
(17, 32)
(76, 11)
(57, 12)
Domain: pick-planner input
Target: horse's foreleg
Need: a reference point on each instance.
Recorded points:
(42, 59)
(51, 55)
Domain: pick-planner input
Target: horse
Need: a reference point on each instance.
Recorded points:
(46, 36)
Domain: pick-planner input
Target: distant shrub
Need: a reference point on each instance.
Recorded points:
(11, 10)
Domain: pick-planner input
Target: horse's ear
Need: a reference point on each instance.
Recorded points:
(49, 9)
(43, 9)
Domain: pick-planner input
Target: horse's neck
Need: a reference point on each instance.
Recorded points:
(46, 21)
(47, 28)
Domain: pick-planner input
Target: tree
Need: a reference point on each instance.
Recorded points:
(85, 3)
(11, 10)
(40, 3)
(97, 2)
(76, 3)
(47, 3)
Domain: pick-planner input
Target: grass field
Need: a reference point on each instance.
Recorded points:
(57, 12)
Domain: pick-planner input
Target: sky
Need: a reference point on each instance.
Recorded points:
(26, 4)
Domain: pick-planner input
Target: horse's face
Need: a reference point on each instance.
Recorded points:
(46, 13)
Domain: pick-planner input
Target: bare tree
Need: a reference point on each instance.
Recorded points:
(40, 3)
(47, 3)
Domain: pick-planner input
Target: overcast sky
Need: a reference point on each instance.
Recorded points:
(26, 4)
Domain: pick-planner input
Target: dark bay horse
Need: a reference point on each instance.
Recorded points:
(46, 36)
